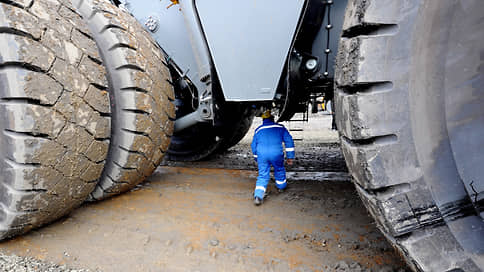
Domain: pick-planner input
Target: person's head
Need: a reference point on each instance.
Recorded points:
(267, 115)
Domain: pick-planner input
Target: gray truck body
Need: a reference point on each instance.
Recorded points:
(246, 43)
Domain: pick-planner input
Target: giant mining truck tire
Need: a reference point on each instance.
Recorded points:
(238, 131)
(141, 97)
(203, 140)
(410, 111)
(54, 110)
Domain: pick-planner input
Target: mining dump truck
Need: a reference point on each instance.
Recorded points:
(95, 93)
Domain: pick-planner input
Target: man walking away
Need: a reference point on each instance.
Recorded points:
(268, 151)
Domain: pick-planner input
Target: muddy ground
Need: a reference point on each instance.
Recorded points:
(317, 149)
(200, 217)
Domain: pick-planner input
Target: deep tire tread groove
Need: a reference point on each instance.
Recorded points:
(381, 140)
(16, 32)
(367, 29)
(131, 66)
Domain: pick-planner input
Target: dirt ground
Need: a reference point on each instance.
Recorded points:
(200, 217)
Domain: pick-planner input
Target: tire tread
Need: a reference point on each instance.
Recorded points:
(374, 122)
(38, 106)
(139, 90)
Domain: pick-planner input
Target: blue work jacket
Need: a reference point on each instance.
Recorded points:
(268, 139)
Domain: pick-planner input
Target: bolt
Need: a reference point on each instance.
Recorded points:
(152, 24)
(311, 64)
(326, 74)
(329, 26)
(327, 51)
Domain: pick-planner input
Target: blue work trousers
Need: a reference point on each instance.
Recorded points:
(264, 164)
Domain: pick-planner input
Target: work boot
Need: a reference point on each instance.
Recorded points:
(257, 201)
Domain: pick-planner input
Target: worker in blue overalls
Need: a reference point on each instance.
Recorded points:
(268, 151)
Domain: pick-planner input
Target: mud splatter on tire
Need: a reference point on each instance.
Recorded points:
(54, 141)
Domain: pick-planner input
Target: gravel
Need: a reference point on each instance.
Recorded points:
(13, 263)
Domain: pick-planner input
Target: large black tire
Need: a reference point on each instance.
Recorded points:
(141, 97)
(401, 67)
(202, 140)
(55, 124)
(238, 131)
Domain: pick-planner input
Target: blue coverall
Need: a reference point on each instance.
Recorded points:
(267, 150)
